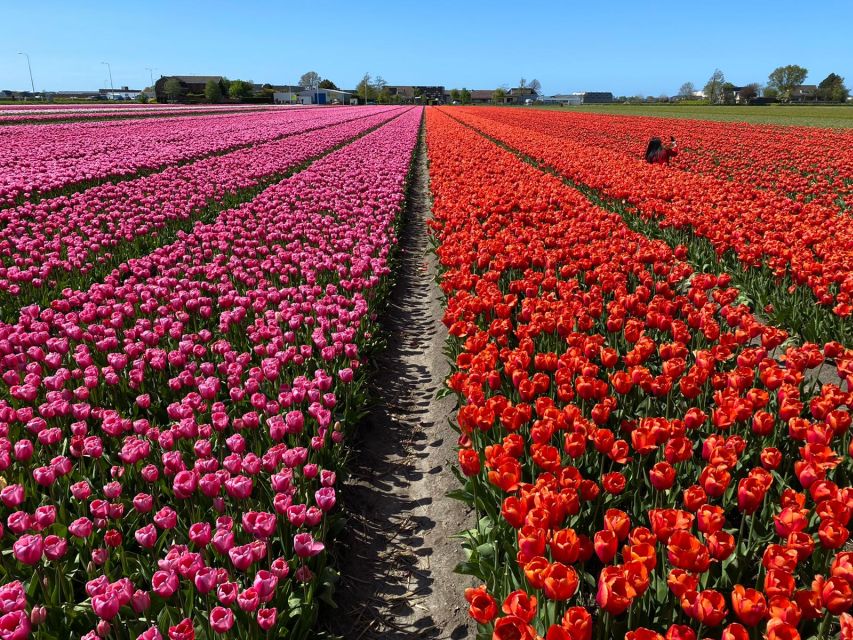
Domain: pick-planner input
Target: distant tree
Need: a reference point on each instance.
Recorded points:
(239, 89)
(832, 89)
(498, 95)
(212, 91)
(142, 98)
(225, 85)
(663, 98)
(173, 89)
(784, 79)
(455, 95)
(465, 96)
(380, 84)
(714, 87)
(771, 93)
(536, 86)
(365, 89)
(328, 84)
(749, 92)
(522, 83)
(686, 90)
(728, 96)
(310, 80)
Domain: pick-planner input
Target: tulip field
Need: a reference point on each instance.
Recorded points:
(173, 428)
(650, 453)
(652, 367)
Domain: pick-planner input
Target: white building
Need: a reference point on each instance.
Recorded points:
(120, 94)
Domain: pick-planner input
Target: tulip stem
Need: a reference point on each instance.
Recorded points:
(824, 626)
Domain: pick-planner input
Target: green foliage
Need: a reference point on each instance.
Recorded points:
(784, 79)
(714, 87)
(173, 89)
(465, 96)
(455, 95)
(832, 89)
(771, 93)
(328, 84)
(310, 80)
(240, 89)
(365, 89)
(498, 95)
(212, 91)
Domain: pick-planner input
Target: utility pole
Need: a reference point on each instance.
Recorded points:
(151, 74)
(30, 69)
(110, 69)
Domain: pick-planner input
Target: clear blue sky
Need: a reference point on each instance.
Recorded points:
(626, 47)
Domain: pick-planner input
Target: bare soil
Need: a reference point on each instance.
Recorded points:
(398, 559)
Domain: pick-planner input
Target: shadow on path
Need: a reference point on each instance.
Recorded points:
(397, 566)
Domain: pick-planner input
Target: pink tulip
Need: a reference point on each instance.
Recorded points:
(12, 597)
(221, 619)
(146, 536)
(164, 583)
(55, 547)
(15, 625)
(150, 634)
(81, 528)
(305, 546)
(248, 600)
(227, 593)
(28, 549)
(267, 618)
(105, 606)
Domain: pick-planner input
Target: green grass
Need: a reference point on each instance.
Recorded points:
(840, 116)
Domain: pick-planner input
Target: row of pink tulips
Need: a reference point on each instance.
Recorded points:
(57, 242)
(172, 436)
(47, 158)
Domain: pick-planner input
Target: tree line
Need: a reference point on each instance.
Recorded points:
(781, 85)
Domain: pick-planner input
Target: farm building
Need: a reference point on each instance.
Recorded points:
(596, 97)
(563, 98)
(804, 93)
(298, 95)
(120, 94)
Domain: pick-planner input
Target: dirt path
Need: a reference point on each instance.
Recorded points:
(397, 572)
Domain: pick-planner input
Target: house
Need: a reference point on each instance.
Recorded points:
(190, 85)
(520, 95)
(482, 96)
(406, 93)
(323, 96)
(429, 95)
(804, 93)
(287, 94)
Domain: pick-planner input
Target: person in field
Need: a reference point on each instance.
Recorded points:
(658, 153)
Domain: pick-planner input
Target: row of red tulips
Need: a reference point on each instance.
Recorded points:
(809, 244)
(171, 438)
(61, 242)
(806, 164)
(41, 159)
(647, 458)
